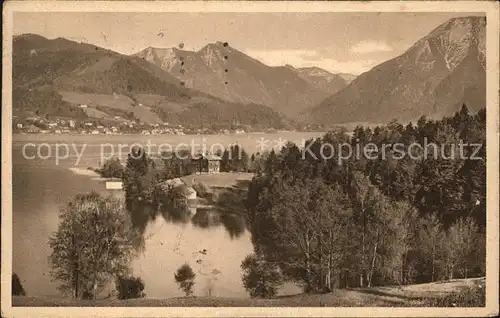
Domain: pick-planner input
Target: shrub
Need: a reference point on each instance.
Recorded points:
(185, 278)
(202, 190)
(130, 287)
(112, 168)
(260, 278)
(17, 287)
(469, 297)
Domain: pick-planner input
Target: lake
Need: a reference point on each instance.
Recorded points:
(42, 186)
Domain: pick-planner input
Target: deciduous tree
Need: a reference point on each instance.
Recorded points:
(92, 244)
(260, 278)
(185, 278)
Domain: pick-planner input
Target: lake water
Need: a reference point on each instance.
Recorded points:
(42, 186)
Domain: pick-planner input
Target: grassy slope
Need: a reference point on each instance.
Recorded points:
(223, 179)
(406, 296)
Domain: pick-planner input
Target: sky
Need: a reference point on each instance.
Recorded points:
(338, 42)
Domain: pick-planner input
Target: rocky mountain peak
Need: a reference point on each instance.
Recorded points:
(450, 43)
(439, 73)
(315, 71)
(214, 53)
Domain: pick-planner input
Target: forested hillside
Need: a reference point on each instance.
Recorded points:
(330, 223)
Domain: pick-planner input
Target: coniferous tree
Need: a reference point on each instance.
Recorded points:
(17, 286)
(185, 278)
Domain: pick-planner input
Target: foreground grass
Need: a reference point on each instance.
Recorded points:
(439, 294)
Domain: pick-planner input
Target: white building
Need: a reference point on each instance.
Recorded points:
(192, 200)
(114, 185)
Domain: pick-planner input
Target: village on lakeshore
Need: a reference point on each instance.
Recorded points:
(39, 125)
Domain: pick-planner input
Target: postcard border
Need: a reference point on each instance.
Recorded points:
(491, 10)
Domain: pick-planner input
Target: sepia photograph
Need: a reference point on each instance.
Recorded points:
(227, 159)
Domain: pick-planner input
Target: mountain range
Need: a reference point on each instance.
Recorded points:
(434, 77)
(220, 70)
(220, 84)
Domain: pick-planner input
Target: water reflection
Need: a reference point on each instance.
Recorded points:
(177, 212)
(205, 218)
(233, 223)
(225, 211)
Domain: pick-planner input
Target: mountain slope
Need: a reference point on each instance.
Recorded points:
(68, 65)
(322, 79)
(433, 78)
(238, 78)
(53, 77)
(347, 77)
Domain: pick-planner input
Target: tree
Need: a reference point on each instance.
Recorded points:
(362, 197)
(112, 168)
(93, 243)
(17, 287)
(129, 287)
(272, 163)
(460, 244)
(260, 278)
(372, 215)
(431, 237)
(298, 226)
(401, 231)
(185, 278)
(135, 180)
(234, 159)
(225, 163)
